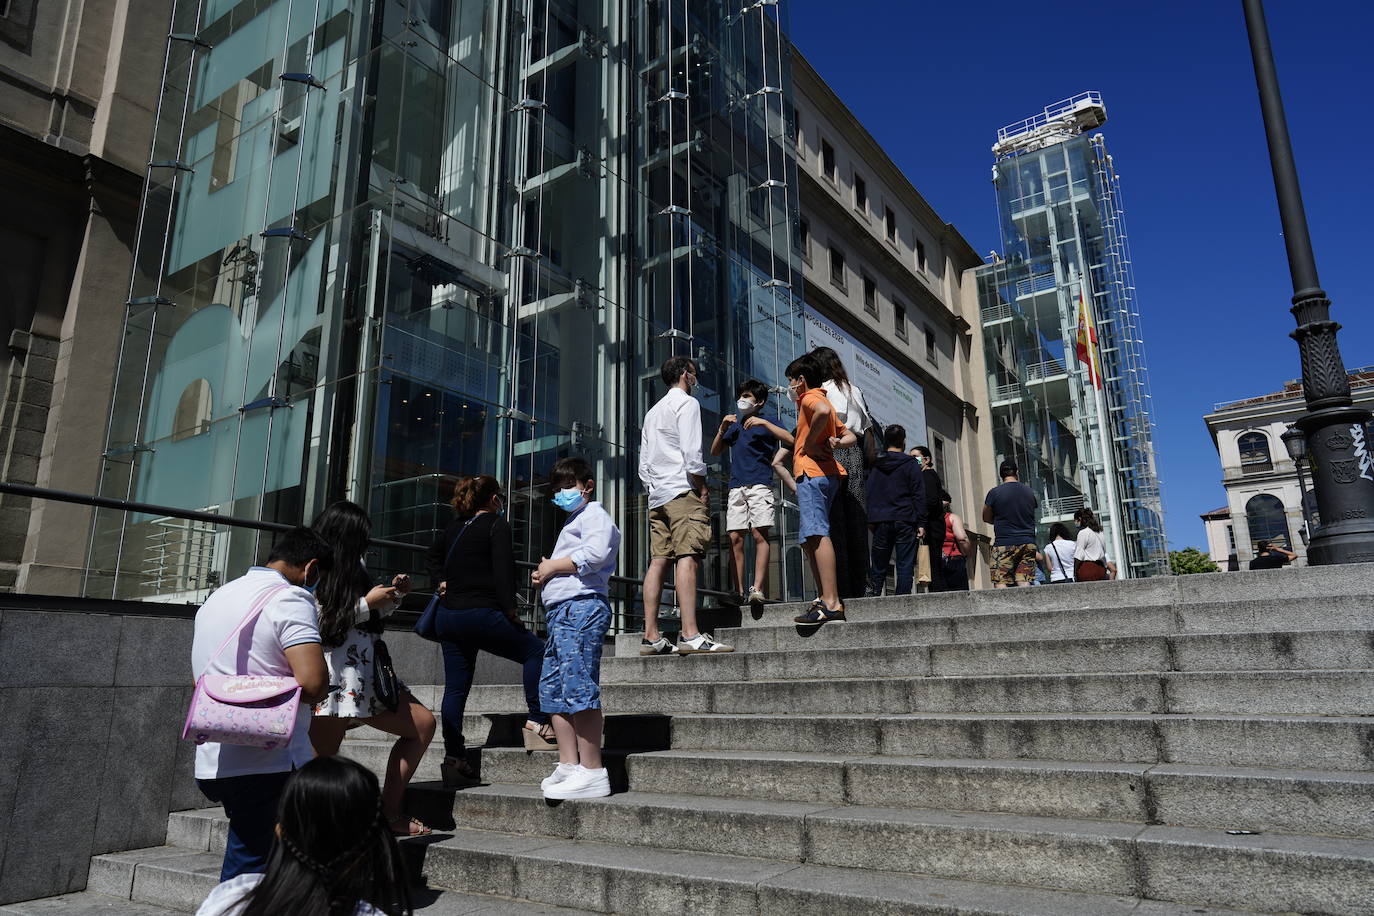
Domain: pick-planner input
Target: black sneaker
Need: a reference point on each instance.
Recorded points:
(818, 614)
(457, 773)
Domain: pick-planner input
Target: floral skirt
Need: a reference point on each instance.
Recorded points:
(352, 694)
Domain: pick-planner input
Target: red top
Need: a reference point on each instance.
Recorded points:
(951, 547)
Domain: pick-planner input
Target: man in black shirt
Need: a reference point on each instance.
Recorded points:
(1267, 556)
(1010, 509)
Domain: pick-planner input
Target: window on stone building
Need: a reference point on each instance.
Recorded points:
(920, 256)
(890, 224)
(930, 346)
(1267, 521)
(804, 239)
(828, 160)
(1254, 453)
(860, 193)
(899, 319)
(837, 267)
(870, 295)
(1231, 538)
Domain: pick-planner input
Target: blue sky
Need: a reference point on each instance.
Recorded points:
(933, 82)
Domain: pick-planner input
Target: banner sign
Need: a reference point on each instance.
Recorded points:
(891, 396)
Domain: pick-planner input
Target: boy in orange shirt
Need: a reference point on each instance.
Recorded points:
(819, 478)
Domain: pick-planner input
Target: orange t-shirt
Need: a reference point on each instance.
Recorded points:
(820, 462)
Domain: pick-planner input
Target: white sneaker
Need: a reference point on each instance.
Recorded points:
(702, 642)
(581, 783)
(660, 646)
(559, 774)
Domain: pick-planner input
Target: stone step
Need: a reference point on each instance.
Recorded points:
(1283, 800)
(907, 628)
(1307, 742)
(1304, 650)
(173, 879)
(1271, 692)
(1260, 588)
(83, 903)
(504, 730)
(1197, 868)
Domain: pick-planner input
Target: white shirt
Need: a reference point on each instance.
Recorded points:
(1059, 553)
(670, 447)
(227, 899)
(592, 541)
(850, 408)
(291, 618)
(1090, 546)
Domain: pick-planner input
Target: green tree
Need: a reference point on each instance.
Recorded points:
(1190, 560)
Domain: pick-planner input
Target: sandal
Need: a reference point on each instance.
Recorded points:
(413, 827)
(539, 737)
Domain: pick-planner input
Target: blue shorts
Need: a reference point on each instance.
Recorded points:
(815, 495)
(571, 679)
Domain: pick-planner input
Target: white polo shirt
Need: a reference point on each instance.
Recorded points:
(291, 618)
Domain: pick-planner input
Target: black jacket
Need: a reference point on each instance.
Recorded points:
(896, 492)
(935, 506)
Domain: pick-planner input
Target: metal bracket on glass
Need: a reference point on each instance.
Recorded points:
(307, 79)
(529, 105)
(510, 413)
(775, 283)
(170, 164)
(766, 90)
(770, 183)
(520, 251)
(133, 448)
(190, 39)
(286, 232)
(271, 403)
(674, 334)
(672, 95)
(758, 4)
(593, 46)
(674, 210)
(585, 292)
(588, 163)
(154, 301)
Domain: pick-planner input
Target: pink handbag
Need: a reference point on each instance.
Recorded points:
(255, 710)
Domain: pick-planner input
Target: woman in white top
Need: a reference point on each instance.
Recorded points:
(333, 853)
(1090, 550)
(848, 514)
(1059, 554)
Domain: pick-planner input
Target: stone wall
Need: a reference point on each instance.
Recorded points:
(25, 396)
(91, 759)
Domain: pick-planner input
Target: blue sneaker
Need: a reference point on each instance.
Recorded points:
(818, 614)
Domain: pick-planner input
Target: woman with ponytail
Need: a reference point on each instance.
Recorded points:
(351, 612)
(333, 855)
(474, 566)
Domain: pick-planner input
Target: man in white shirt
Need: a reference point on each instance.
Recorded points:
(284, 641)
(673, 472)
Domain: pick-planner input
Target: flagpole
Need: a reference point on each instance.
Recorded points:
(1106, 443)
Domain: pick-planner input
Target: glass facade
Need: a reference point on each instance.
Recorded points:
(1063, 235)
(386, 245)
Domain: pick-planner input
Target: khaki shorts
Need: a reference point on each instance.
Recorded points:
(749, 507)
(680, 527)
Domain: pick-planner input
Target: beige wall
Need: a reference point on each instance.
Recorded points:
(76, 97)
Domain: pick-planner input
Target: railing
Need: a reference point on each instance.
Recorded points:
(1036, 372)
(1054, 112)
(415, 602)
(1063, 505)
(1012, 392)
(997, 313)
(1037, 284)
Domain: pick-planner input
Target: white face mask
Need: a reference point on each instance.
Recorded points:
(746, 405)
(792, 394)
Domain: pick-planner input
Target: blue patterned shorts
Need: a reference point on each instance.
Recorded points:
(571, 680)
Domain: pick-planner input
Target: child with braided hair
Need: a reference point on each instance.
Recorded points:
(334, 854)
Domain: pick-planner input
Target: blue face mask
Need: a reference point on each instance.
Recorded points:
(568, 499)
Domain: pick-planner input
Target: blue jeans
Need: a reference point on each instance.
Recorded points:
(571, 681)
(250, 802)
(463, 632)
(887, 537)
(815, 496)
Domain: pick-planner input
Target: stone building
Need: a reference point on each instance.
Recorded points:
(1264, 496)
(78, 85)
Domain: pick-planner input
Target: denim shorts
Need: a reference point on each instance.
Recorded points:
(571, 679)
(815, 495)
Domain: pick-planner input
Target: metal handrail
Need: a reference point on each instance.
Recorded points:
(129, 505)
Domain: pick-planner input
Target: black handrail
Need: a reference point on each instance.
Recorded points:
(214, 518)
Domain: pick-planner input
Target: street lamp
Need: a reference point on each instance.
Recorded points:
(1334, 429)
(1296, 443)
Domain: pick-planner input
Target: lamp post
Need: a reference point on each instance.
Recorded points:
(1333, 428)
(1296, 443)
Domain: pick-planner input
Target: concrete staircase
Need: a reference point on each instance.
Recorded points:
(1194, 745)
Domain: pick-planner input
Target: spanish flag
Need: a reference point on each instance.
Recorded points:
(1087, 342)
